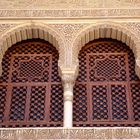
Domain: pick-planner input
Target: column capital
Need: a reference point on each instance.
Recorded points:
(68, 76)
(68, 80)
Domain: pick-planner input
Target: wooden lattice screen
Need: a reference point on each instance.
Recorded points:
(31, 93)
(107, 90)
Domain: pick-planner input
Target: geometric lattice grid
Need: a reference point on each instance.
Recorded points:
(3, 91)
(99, 102)
(111, 96)
(56, 103)
(30, 69)
(107, 68)
(37, 104)
(18, 102)
(80, 103)
(135, 89)
(119, 102)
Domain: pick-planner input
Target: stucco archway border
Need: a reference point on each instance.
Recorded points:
(29, 31)
(108, 30)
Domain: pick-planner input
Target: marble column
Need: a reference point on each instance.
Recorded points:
(68, 79)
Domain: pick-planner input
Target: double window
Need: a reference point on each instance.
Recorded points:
(106, 92)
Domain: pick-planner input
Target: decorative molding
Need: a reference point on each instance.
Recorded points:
(73, 133)
(128, 33)
(84, 13)
(47, 4)
(133, 26)
(68, 36)
(6, 27)
(69, 4)
(68, 31)
(69, 9)
(68, 76)
(25, 31)
(119, 31)
(104, 30)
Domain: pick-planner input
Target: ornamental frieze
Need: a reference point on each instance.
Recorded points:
(69, 4)
(73, 133)
(85, 13)
(69, 8)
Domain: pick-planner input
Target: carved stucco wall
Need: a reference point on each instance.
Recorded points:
(69, 8)
(71, 4)
(128, 33)
(73, 133)
(69, 38)
(13, 33)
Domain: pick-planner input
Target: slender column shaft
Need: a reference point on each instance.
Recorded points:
(68, 105)
(68, 79)
(68, 76)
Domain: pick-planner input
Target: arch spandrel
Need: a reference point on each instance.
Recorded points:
(30, 31)
(107, 30)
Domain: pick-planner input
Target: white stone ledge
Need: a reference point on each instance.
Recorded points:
(96, 133)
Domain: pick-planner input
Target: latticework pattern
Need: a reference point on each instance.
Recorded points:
(33, 69)
(17, 109)
(37, 103)
(135, 89)
(99, 102)
(111, 95)
(30, 69)
(107, 67)
(80, 103)
(56, 103)
(3, 90)
(119, 102)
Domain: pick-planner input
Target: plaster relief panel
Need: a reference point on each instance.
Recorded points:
(49, 4)
(133, 26)
(5, 27)
(61, 134)
(69, 31)
(69, 8)
(68, 4)
(123, 4)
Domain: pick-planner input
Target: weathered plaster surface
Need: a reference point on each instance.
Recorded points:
(69, 4)
(73, 133)
(69, 8)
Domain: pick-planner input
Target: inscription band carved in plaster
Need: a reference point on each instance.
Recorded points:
(62, 14)
(74, 133)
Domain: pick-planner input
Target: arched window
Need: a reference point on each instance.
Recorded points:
(31, 92)
(107, 90)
